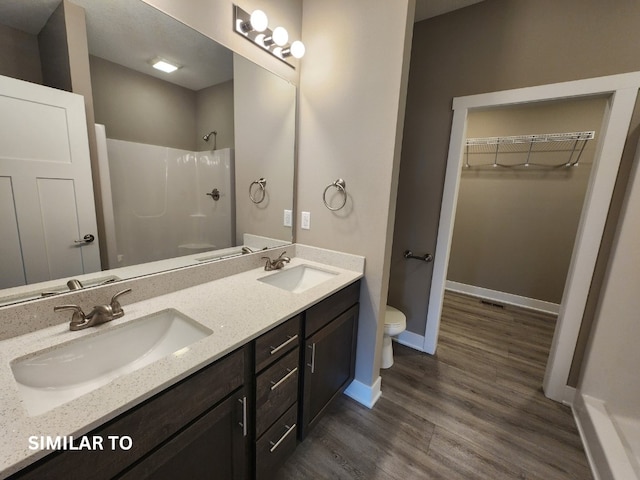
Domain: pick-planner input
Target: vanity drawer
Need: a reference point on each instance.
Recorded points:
(322, 313)
(275, 343)
(276, 390)
(276, 444)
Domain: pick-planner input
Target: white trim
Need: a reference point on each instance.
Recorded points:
(503, 297)
(623, 90)
(411, 340)
(569, 396)
(445, 229)
(365, 394)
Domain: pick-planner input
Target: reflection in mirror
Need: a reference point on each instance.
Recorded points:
(177, 151)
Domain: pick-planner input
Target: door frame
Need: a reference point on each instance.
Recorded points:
(622, 90)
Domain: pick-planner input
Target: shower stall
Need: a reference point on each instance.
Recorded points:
(169, 202)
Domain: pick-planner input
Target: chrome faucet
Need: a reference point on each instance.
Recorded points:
(99, 314)
(246, 250)
(276, 264)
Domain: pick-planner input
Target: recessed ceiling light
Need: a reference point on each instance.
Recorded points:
(164, 66)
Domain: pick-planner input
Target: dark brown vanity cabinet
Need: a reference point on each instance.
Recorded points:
(276, 396)
(212, 447)
(301, 366)
(331, 329)
(197, 428)
(239, 417)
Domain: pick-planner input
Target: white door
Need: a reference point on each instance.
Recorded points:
(46, 194)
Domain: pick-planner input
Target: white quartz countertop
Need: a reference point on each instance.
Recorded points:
(238, 308)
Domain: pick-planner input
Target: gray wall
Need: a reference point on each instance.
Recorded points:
(515, 228)
(54, 48)
(214, 111)
(496, 45)
(140, 108)
(19, 55)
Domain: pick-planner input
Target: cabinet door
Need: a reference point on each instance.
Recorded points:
(215, 447)
(329, 365)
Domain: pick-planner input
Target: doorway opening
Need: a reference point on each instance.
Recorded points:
(620, 92)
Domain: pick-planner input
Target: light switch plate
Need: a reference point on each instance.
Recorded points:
(305, 224)
(287, 218)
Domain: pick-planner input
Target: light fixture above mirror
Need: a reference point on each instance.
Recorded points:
(254, 27)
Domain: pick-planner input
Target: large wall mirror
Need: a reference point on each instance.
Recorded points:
(195, 165)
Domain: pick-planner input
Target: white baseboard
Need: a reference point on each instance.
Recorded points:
(411, 340)
(365, 394)
(502, 297)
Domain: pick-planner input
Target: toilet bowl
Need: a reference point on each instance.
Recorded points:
(395, 323)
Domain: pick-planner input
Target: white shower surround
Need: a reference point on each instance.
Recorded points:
(160, 204)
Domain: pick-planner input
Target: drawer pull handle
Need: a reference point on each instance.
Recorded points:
(283, 379)
(290, 339)
(277, 444)
(313, 358)
(243, 424)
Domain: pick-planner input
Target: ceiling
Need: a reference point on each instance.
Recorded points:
(432, 8)
(132, 33)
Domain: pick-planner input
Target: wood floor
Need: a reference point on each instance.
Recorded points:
(475, 410)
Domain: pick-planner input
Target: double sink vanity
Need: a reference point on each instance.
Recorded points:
(224, 376)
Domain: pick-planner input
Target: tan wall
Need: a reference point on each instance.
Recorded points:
(490, 46)
(19, 55)
(515, 228)
(265, 115)
(352, 92)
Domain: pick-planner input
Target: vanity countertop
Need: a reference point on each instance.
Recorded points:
(238, 308)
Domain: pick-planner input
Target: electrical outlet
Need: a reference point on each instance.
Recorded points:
(305, 224)
(287, 218)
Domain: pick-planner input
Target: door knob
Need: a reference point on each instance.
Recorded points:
(88, 238)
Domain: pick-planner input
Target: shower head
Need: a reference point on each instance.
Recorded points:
(206, 137)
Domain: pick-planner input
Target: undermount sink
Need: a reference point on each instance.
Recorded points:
(298, 279)
(57, 375)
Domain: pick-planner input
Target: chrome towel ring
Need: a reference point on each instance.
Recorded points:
(340, 185)
(262, 184)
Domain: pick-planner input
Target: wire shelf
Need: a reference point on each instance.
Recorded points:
(572, 142)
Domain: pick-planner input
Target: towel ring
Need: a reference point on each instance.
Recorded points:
(262, 183)
(340, 185)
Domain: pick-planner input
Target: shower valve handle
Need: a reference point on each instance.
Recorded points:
(215, 194)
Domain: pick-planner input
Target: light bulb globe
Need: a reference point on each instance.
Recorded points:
(280, 36)
(297, 49)
(259, 20)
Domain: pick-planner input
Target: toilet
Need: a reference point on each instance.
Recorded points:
(395, 323)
